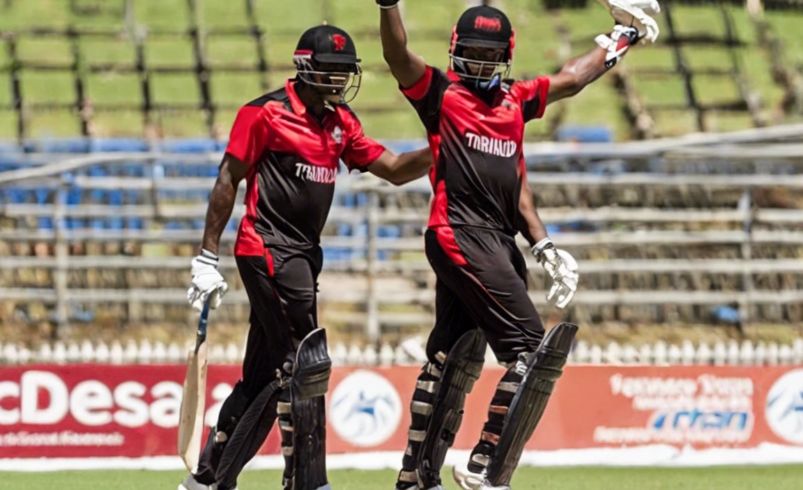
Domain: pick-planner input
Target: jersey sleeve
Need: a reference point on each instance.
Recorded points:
(532, 94)
(361, 151)
(426, 97)
(249, 134)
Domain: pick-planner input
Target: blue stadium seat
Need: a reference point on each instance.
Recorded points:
(74, 196)
(344, 229)
(118, 145)
(134, 169)
(196, 145)
(45, 223)
(115, 223)
(98, 171)
(232, 226)
(585, 134)
(134, 223)
(221, 145)
(41, 194)
(116, 198)
(75, 145)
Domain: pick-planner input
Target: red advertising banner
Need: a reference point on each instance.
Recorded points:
(132, 411)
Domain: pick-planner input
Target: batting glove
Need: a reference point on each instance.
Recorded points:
(636, 13)
(562, 268)
(617, 43)
(387, 4)
(207, 283)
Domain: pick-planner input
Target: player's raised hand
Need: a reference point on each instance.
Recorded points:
(562, 268)
(207, 282)
(636, 13)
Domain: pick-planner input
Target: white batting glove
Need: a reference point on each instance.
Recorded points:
(206, 282)
(562, 268)
(636, 13)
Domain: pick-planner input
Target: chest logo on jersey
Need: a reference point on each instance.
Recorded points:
(314, 173)
(494, 146)
(337, 135)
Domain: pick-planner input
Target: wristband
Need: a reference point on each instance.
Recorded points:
(538, 248)
(209, 258)
(387, 4)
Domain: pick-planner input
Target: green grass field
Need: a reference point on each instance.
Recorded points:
(720, 478)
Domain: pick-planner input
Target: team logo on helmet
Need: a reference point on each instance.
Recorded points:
(339, 41)
(488, 24)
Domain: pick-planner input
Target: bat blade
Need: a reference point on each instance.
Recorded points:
(191, 417)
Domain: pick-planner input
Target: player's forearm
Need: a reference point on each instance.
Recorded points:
(530, 224)
(221, 204)
(412, 165)
(393, 35)
(404, 168)
(577, 74)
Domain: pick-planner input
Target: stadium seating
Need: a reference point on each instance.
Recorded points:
(137, 71)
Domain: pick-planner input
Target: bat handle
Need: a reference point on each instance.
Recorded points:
(200, 337)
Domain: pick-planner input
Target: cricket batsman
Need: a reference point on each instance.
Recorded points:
(287, 145)
(475, 116)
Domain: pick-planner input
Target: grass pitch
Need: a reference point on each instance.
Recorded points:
(719, 478)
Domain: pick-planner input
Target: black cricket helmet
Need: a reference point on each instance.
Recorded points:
(482, 27)
(326, 59)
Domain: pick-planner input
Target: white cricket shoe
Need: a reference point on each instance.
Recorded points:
(190, 483)
(466, 479)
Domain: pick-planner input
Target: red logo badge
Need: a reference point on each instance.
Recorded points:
(339, 42)
(487, 24)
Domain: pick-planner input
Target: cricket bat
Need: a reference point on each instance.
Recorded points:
(191, 416)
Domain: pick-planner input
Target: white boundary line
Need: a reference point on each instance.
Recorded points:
(655, 455)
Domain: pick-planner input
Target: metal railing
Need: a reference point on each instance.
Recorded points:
(740, 227)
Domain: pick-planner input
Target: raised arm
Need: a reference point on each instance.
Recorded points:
(404, 168)
(406, 67)
(579, 72)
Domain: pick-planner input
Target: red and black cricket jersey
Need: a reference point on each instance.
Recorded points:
(293, 159)
(477, 148)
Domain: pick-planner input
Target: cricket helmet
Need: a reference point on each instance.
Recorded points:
(482, 27)
(326, 59)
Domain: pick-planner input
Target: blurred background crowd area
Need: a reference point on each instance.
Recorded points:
(182, 68)
(116, 113)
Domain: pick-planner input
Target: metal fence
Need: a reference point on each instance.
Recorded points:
(639, 262)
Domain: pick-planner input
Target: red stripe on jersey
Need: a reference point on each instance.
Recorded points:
(421, 87)
(269, 260)
(449, 245)
(249, 243)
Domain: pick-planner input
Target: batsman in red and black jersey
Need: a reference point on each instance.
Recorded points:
(474, 117)
(287, 145)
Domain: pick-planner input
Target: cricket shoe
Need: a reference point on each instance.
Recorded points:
(467, 479)
(190, 483)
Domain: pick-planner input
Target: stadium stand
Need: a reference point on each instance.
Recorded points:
(668, 231)
(181, 68)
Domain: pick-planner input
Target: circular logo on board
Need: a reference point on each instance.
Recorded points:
(365, 409)
(784, 410)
